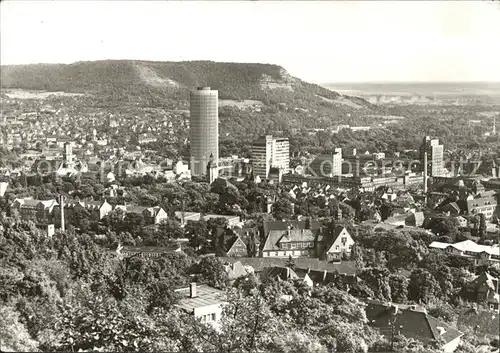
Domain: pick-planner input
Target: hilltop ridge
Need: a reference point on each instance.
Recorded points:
(136, 78)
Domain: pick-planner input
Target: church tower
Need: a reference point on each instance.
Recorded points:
(68, 155)
(212, 172)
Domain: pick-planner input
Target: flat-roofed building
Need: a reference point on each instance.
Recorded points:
(270, 152)
(202, 301)
(435, 156)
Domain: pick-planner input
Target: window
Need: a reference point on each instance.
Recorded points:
(213, 316)
(293, 245)
(350, 247)
(344, 240)
(336, 247)
(276, 253)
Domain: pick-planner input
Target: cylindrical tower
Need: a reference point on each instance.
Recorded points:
(204, 129)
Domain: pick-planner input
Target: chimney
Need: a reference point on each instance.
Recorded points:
(425, 172)
(192, 290)
(61, 204)
(441, 330)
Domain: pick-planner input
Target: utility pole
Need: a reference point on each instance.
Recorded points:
(392, 325)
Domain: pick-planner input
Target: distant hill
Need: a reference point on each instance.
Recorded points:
(123, 79)
(422, 92)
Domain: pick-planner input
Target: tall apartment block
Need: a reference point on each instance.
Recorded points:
(435, 156)
(204, 129)
(270, 152)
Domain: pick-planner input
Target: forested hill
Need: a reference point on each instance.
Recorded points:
(147, 80)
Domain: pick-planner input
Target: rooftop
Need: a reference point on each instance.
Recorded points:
(205, 296)
(468, 245)
(304, 263)
(412, 320)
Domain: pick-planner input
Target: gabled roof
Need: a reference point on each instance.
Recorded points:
(231, 241)
(452, 205)
(468, 245)
(294, 235)
(283, 273)
(34, 203)
(280, 225)
(414, 322)
(483, 278)
(235, 270)
(304, 263)
(337, 231)
(336, 234)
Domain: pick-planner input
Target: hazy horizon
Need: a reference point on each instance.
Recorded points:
(334, 41)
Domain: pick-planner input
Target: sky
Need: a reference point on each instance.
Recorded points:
(324, 41)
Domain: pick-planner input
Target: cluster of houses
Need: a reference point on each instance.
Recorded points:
(413, 321)
(46, 212)
(480, 254)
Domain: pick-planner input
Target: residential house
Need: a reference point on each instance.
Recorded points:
(155, 215)
(152, 215)
(232, 220)
(202, 301)
(346, 274)
(96, 209)
(397, 220)
(236, 270)
(250, 237)
(313, 224)
(412, 321)
(38, 211)
(284, 274)
(483, 290)
(480, 254)
(235, 246)
(184, 217)
(341, 246)
(485, 205)
(290, 242)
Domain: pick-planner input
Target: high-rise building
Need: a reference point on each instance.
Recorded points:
(435, 156)
(328, 165)
(204, 129)
(270, 152)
